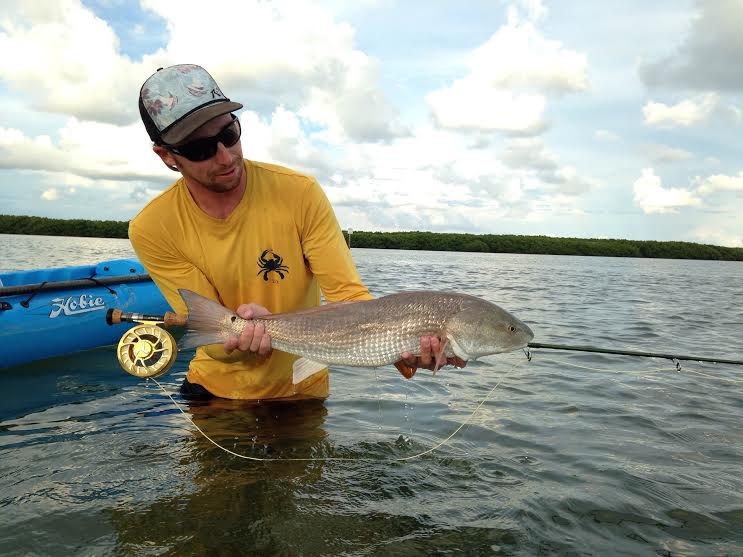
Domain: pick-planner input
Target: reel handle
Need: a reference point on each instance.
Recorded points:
(147, 350)
(170, 319)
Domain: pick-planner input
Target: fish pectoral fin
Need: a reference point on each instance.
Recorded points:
(440, 356)
(405, 370)
(304, 368)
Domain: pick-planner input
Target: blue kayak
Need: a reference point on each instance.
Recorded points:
(51, 312)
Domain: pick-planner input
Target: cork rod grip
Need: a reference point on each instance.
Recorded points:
(170, 319)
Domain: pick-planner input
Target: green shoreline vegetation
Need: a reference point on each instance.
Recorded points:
(433, 241)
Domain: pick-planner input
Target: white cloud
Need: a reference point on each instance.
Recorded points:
(685, 113)
(541, 169)
(715, 236)
(436, 176)
(88, 149)
(290, 53)
(652, 197)
(50, 195)
(659, 154)
(66, 60)
(360, 110)
(734, 114)
(518, 56)
(535, 9)
(283, 139)
(315, 102)
(708, 57)
(508, 80)
(546, 207)
(719, 182)
(470, 105)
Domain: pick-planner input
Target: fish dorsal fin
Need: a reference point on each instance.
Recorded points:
(304, 368)
(310, 311)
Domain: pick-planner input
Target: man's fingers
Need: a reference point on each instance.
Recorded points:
(265, 346)
(430, 348)
(425, 351)
(245, 311)
(251, 311)
(230, 344)
(410, 359)
(253, 337)
(246, 337)
(258, 332)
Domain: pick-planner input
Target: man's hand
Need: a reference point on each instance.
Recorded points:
(430, 346)
(254, 337)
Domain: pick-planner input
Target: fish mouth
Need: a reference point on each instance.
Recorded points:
(525, 337)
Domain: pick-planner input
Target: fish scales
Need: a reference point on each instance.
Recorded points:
(372, 334)
(369, 333)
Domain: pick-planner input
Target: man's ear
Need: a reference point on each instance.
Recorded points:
(166, 156)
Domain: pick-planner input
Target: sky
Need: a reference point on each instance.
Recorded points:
(615, 119)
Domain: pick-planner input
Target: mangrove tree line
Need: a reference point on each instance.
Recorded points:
(486, 243)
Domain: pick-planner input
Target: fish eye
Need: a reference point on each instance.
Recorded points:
(233, 318)
(512, 329)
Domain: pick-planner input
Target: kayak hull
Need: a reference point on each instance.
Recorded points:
(59, 316)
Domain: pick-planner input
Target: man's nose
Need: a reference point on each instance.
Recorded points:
(223, 154)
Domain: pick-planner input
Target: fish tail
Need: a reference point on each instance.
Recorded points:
(206, 320)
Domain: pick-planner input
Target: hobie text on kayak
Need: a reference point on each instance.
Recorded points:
(73, 305)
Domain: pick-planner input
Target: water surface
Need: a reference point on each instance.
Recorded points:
(573, 454)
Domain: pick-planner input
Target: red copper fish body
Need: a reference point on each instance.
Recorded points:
(370, 333)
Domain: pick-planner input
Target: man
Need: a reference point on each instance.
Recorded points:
(235, 230)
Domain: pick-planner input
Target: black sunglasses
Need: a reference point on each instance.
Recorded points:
(206, 147)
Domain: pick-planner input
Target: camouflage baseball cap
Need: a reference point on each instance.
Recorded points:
(176, 100)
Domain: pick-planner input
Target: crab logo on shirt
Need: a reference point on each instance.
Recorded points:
(270, 262)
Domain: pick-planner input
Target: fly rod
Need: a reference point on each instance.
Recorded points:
(67, 284)
(632, 353)
(170, 319)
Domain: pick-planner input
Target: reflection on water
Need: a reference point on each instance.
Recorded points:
(238, 498)
(264, 421)
(573, 453)
(21, 252)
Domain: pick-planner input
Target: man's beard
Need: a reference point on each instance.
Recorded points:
(220, 186)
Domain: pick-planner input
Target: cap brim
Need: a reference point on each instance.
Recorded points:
(195, 120)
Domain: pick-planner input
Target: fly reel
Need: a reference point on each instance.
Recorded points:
(147, 351)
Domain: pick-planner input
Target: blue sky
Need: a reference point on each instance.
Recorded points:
(614, 119)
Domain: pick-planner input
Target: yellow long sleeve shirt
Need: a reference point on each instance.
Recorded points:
(280, 246)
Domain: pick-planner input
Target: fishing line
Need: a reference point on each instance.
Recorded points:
(646, 375)
(708, 376)
(643, 354)
(450, 436)
(642, 374)
(334, 458)
(466, 422)
(589, 368)
(379, 396)
(685, 369)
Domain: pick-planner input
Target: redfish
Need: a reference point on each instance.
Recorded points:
(367, 333)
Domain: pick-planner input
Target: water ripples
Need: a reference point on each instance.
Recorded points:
(572, 454)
